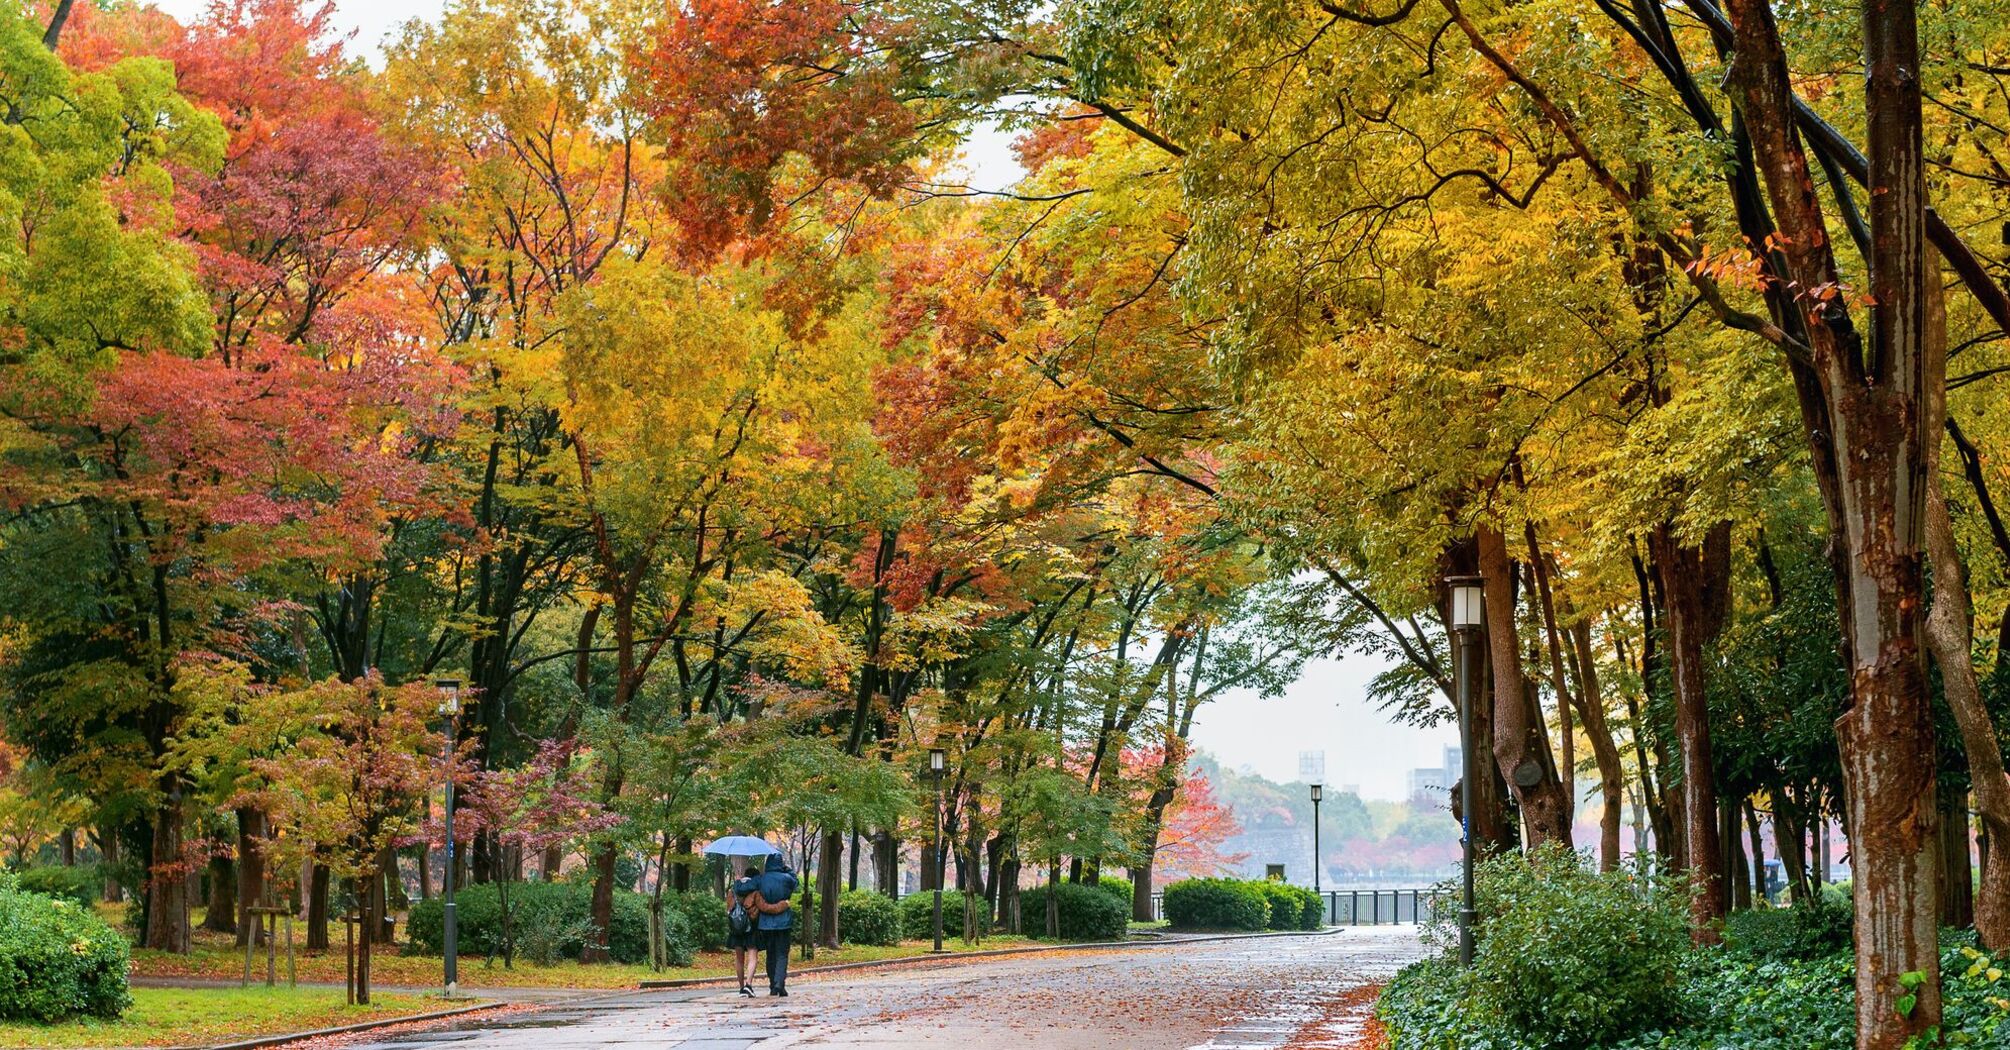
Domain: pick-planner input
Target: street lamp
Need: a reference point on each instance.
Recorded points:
(938, 763)
(1468, 617)
(1318, 792)
(450, 709)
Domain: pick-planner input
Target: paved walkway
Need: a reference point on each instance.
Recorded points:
(1230, 995)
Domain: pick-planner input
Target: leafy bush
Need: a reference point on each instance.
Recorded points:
(1121, 889)
(1811, 929)
(704, 918)
(81, 884)
(1086, 913)
(57, 959)
(1292, 907)
(1726, 1000)
(539, 906)
(1217, 904)
(917, 915)
(868, 917)
(1574, 957)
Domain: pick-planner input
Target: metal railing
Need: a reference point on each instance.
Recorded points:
(1364, 907)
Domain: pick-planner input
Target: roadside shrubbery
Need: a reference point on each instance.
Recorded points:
(58, 959)
(866, 917)
(81, 884)
(1572, 960)
(917, 915)
(1217, 904)
(552, 918)
(1292, 907)
(1086, 913)
(1809, 930)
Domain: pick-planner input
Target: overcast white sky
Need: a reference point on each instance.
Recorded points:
(1324, 710)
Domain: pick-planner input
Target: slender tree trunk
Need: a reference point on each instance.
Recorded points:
(1604, 750)
(830, 883)
(602, 911)
(1950, 632)
(886, 863)
(1758, 851)
(1520, 747)
(1681, 571)
(317, 909)
(66, 847)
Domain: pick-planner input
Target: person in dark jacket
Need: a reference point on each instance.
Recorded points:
(777, 885)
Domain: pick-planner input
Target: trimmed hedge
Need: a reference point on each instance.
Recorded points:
(1292, 907)
(1086, 913)
(57, 959)
(1217, 904)
(81, 884)
(868, 917)
(1121, 889)
(917, 915)
(565, 907)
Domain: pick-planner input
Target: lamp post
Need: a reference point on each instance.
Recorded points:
(938, 762)
(1318, 792)
(1466, 620)
(450, 708)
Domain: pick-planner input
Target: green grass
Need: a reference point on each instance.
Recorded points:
(214, 959)
(181, 1016)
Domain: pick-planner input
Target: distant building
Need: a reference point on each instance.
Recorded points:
(1428, 782)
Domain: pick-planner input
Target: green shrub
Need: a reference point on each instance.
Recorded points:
(917, 915)
(540, 906)
(1568, 956)
(1086, 913)
(1811, 929)
(704, 918)
(57, 959)
(866, 917)
(1217, 904)
(1291, 907)
(1727, 1001)
(1121, 889)
(81, 884)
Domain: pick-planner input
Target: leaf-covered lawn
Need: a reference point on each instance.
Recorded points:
(214, 958)
(181, 1016)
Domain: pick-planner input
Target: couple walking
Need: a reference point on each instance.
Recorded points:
(759, 919)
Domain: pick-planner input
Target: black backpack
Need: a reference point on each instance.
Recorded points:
(737, 917)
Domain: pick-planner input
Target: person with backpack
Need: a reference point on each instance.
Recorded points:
(774, 921)
(742, 907)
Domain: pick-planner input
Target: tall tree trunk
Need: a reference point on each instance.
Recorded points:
(601, 913)
(1520, 747)
(830, 884)
(250, 870)
(1950, 634)
(1866, 428)
(1681, 572)
(1790, 839)
(1957, 886)
(886, 863)
(1604, 750)
(1758, 851)
(220, 913)
(317, 909)
(167, 889)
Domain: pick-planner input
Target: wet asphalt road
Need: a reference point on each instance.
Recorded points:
(1224, 995)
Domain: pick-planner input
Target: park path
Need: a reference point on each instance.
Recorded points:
(1295, 992)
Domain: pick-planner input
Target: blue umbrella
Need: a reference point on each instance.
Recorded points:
(741, 846)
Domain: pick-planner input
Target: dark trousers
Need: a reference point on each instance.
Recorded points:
(775, 945)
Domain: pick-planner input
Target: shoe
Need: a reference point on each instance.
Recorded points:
(783, 992)
(747, 990)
